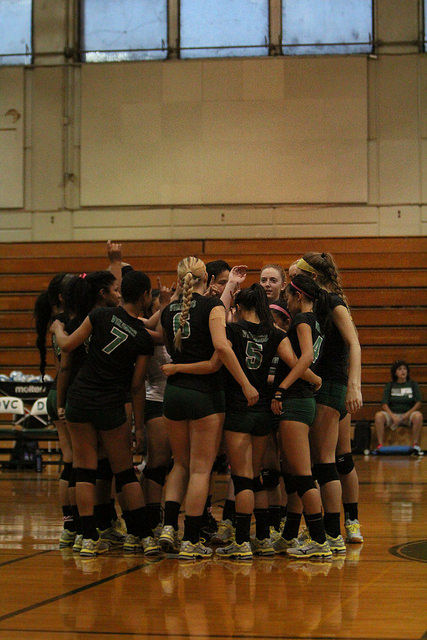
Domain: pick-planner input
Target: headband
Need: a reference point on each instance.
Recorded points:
(83, 276)
(304, 266)
(275, 307)
(301, 291)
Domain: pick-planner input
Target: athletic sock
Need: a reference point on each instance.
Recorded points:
(67, 513)
(292, 524)
(351, 510)
(89, 529)
(283, 512)
(243, 525)
(102, 515)
(275, 516)
(113, 512)
(192, 526)
(332, 524)
(262, 523)
(171, 513)
(316, 527)
(76, 519)
(154, 512)
(229, 510)
(139, 523)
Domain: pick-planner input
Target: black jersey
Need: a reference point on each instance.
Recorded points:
(196, 343)
(255, 345)
(55, 346)
(117, 340)
(79, 355)
(300, 388)
(333, 362)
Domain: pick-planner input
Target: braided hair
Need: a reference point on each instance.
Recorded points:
(190, 271)
(43, 311)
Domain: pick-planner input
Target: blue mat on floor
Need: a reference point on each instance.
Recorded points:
(393, 450)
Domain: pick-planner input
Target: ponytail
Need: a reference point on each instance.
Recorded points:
(254, 297)
(311, 290)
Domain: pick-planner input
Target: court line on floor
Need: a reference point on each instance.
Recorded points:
(32, 555)
(85, 587)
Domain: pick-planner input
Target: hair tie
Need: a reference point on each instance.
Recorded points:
(83, 276)
(323, 255)
(301, 291)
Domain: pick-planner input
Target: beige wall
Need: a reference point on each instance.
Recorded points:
(278, 147)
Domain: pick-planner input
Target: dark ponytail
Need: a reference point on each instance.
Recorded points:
(43, 311)
(254, 297)
(308, 287)
(84, 290)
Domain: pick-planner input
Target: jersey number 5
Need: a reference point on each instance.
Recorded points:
(121, 336)
(253, 355)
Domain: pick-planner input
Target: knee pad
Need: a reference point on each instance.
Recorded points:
(86, 475)
(104, 471)
(67, 471)
(73, 478)
(326, 472)
(128, 476)
(290, 484)
(258, 485)
(270, 478)
(304, 483)
(242, 484)
(156, 474)
(344, 463)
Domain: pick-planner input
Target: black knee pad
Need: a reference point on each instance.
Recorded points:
(67, 471)
(86, 475)
(104, 471)
(242, 484)
(128, 476)
(304, 483)
(258, 484)
(344, 463)
(156, 474)
(326, 472)
(270, 478)
(73, 478)
(290, 484)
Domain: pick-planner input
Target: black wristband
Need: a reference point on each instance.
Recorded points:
(279, 394)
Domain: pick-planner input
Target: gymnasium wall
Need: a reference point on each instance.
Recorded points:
(332, 146)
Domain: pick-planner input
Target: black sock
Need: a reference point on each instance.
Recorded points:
(229, 510)
(262, 523)
(139, 523)
(315, 526)
(171, 514)
(126, 518)
(154, 512)
(89, 527)
(102, 515)
(291, 529)
(113, 512)
(192, 526)
(332, 524)
(67, 513)
(76, 519)
(243, 525)
(283, 512)
(351, 510)
(275, 516)
(206, 511)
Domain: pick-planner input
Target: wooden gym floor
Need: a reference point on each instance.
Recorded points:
(379, 590)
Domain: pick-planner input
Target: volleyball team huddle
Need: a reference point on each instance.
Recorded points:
(267, 374)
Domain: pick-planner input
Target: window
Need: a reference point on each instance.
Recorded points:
(15, 31)
(329, 26)
(223, 28)
(116, 30)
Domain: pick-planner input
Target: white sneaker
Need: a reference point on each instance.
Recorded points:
(352, 530)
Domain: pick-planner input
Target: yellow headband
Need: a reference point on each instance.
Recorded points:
(304, 266)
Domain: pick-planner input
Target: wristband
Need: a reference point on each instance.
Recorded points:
(279, 394)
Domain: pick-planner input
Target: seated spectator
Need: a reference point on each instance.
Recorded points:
(401, 405)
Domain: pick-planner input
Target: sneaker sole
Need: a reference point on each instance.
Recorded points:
(167, 546)
(315, 554)
(354, 540)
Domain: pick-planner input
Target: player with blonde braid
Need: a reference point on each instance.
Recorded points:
(194, 404)
(340, 370)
